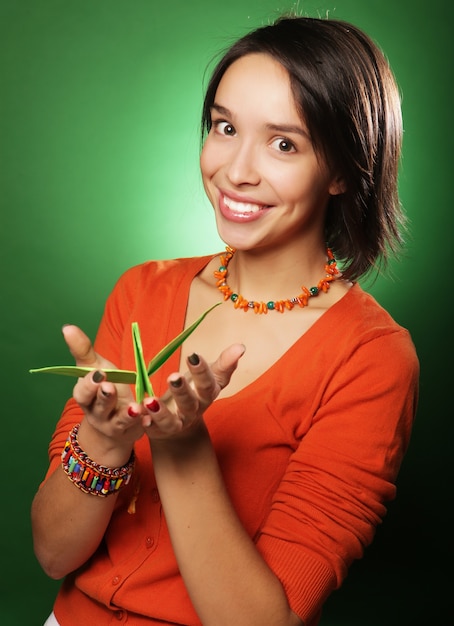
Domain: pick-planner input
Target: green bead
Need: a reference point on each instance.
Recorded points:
(314, 291)
(234, 297)
(222, 268)
(270, 305)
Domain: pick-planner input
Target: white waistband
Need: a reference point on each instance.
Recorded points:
(51, 620)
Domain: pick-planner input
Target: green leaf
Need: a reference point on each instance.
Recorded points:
(114, 376)
(141, 376)
(170, 348)
(143, 383)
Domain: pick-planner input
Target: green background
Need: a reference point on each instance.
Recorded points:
(100, 103)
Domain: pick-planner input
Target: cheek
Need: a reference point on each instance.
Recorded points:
(207, 169)
(291, 184)
(305, 182)
(207, 160)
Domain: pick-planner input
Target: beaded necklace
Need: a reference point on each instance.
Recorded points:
(331, 273)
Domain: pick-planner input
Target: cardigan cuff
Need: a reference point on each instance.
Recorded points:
(307, 580)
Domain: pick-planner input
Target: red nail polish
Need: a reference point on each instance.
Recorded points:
(132, 412)
(152, 405)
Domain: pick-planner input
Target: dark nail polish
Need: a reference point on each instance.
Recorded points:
(152, 405)
(132, 413)
(177, 382)
(194, 359)
(98, 376)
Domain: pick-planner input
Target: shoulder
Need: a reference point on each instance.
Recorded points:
(365, 327)
(155, 269)
(169, 271)
(145, 284)
(145, 293)
(362, 315)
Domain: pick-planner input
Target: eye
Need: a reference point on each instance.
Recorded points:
(283, 145)
(224, 128)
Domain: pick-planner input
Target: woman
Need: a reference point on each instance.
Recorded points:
(243, 491)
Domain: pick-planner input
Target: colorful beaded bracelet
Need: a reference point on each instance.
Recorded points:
(89, 476)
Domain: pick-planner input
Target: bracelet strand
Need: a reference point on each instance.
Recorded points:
(89, 476)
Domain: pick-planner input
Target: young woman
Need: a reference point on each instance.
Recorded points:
(244, 490)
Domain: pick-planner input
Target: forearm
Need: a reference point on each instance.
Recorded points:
(68, 524)
(226, 577)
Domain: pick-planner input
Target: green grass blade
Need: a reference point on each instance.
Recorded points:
(170, 348)
(143, 384)
(141, 377)
(140, 393)
(114, 376)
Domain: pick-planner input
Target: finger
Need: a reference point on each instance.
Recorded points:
(135, 410)
(93, 388)
(184, 398)
(226, 364)
(80, 346)
(202, 379)
(159, 419)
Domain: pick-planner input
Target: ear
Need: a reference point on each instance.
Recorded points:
(337, 186)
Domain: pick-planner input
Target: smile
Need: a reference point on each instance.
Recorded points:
(241, 207)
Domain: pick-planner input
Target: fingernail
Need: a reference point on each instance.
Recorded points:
(98, 376)
(194, 359)
(177, 382)
(132, 412)
(152, 405)
(106, 394)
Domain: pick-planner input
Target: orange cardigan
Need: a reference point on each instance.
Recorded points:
(327, 427)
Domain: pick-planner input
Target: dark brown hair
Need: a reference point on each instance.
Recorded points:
(349, 100)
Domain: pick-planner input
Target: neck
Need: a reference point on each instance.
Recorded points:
(274, 273)
(280, 304)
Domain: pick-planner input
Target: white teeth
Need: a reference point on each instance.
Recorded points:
(241, 207)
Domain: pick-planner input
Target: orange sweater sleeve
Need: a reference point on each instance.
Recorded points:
(331, 497)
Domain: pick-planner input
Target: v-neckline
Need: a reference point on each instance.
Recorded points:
(177, 318)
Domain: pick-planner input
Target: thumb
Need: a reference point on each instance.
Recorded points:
(226, 363)
(80, 346)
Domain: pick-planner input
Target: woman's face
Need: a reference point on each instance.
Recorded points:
(259, 168)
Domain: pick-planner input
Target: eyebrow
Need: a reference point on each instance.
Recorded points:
(285, 128)
(279, 128)
(220, 109)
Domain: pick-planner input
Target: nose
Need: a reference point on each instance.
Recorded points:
(243, 167)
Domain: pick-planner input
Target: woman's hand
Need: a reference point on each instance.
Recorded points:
(181, 408)
(110, 410)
